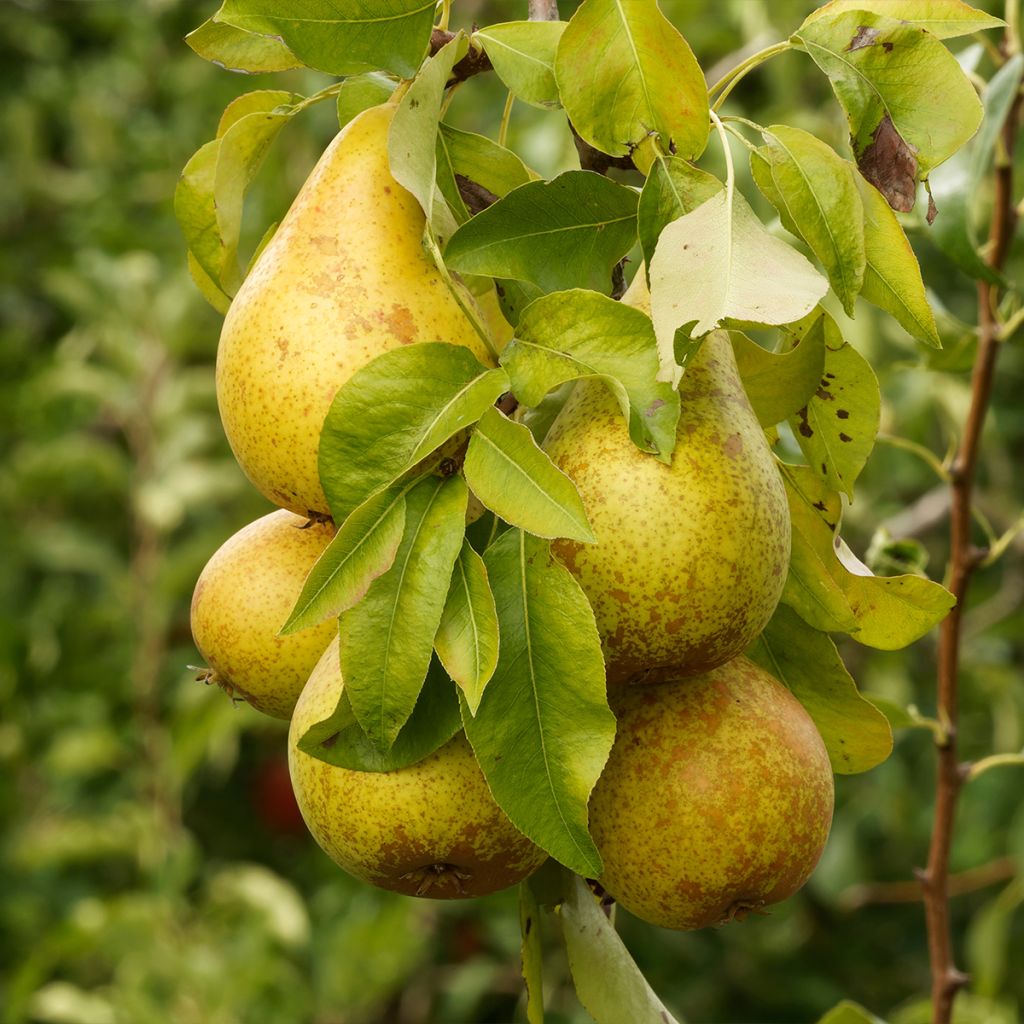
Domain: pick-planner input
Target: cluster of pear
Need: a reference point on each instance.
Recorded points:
(717, 797)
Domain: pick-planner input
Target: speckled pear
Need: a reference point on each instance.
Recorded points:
(716, 800)
(243, 597)
(344, 279)
(691, 558)
(431, 829)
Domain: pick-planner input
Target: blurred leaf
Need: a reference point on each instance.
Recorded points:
(578, 333)
(565, 233)
(624, 71)
(467, 638)
(988, 939)
(848, 1012)
(815, 192)
(360, 92)
(523, 55)
(779, 383)
(363, 549)
(397, 410)
(388, 637)
(608, 982)
(341, 39)
(412, 138)
(341, 741)
(532, 954)
(718, 263)
(857, 735)
(236, 50)
(543, 730)
(510, 474)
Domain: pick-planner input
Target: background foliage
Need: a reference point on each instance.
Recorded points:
(152, 864)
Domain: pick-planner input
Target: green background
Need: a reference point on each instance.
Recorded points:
(152, 866)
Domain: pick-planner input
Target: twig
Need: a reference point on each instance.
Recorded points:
(475, 61)
(543, 10)
(474, 195)
(1000, 870)
(947, 980)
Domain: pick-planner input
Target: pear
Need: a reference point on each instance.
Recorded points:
(243, 597)
(690, 558)
(430, 829)
(716, 799)
(344, 279)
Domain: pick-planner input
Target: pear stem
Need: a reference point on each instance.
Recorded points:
(947, 980)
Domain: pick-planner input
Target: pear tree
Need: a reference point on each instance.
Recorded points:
(560, 554)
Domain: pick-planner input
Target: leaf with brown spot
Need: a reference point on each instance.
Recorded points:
(838, 446)
(889, 164)
(903, 73)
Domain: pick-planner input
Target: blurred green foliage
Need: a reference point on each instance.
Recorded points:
(152, 866)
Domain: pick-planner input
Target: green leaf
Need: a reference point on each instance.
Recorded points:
(342, 38)
(397, 410)
(718, 263)
(196, 214)
(259, 101)
(989, 937)
(779, 383)
(360, 92)
(532, 954)
(510, 474)
(340, 740)
(943, 18)
(243, 148)
(957, 184)
(892, 278)
(608, 982)
(467, 638)
(565, 233)
(523, 55)
(210, 290)
(673, 188)
(235, 50)
(579, 333)
(514, 297)
(856, 734)
(810, 588)
(882, 69)
(815, 192)
(624, 71)
(363, 549)
(848, 1012)
(890, 612)
(836, 428)
(543, 731)
(499, 170)
(412, 139)
(388, 637)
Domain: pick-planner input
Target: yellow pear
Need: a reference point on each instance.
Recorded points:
(243, 597)
(716, 800)
(344, 279)
(690, 558)
(431, 829)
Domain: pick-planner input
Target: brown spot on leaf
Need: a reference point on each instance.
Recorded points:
(864, 38)
(843, 414)
(890, 165)
(805, 427)
(845, 437)
(654, 406)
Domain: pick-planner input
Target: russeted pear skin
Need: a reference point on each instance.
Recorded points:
(344, 278)
(242, 599)
(716, 800)
(691, 558)
(431, 829)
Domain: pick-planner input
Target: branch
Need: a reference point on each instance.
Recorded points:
(475, 61)
(963, 560)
